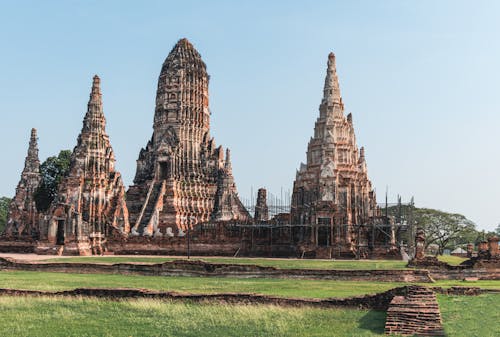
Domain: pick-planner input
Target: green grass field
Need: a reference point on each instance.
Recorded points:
(279, 263)
(471, 316)
(46, 316)
(267, 286)
(450, 259)
(50, 316)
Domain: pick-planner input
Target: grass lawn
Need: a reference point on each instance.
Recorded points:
(279, 263)
(46, 316)
(471, 315)
(452, 260)
(267, 286)
(50, 316)
(279, 287)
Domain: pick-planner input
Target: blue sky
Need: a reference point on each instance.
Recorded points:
(420, 77)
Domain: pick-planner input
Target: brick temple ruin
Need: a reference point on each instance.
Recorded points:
(332, 194)
(184, 189)
(90, 203)
(182, 177)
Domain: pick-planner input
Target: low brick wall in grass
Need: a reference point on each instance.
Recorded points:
(377, 301)
(201, 268)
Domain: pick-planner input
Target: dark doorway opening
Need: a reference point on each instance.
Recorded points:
(324, 231)
(164, 170)
(60, 232)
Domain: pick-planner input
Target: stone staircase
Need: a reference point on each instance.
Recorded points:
(150, 206)
(417, 313)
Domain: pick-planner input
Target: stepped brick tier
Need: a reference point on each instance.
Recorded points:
(182, 177)
(90, 203)
(332, 194)
(417, 313)
(22, 219)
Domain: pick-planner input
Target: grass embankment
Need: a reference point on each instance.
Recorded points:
(470, 316)
(50, 316)
(278, 287)
(278, 263)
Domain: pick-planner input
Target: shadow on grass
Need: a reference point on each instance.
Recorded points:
(373, 321)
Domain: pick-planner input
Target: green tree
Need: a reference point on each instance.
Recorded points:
(52, 170)
(4, 210)
(497, 230)
(447, 230)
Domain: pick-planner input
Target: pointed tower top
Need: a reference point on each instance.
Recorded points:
(95, 93)
(94, 118)
(32, 163)
(331, 91)
(33, 138)
(183, 54)
(227, 164)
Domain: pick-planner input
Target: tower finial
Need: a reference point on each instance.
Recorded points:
(95, 114)
(95, 93)
(227, 164)
(331, 91)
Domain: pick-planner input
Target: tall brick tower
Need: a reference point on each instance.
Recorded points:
(182, 178)
(23, 216)
(332, 192)
(91, 199)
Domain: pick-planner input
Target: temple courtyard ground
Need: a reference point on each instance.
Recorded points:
(88, 316)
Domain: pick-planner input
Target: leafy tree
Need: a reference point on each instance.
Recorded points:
(447, 230)
(497, 230)
(4, 210)
(444, 229)
(52, 170)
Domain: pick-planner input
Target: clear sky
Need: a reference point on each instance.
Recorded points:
(420, 77)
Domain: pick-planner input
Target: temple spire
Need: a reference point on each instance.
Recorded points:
(331, 91)
(227, 164)
(32, 163)
(94, 118)
(95, 93)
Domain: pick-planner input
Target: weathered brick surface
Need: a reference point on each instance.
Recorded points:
(417, 313)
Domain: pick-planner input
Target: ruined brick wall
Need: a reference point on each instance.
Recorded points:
(416, 313)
